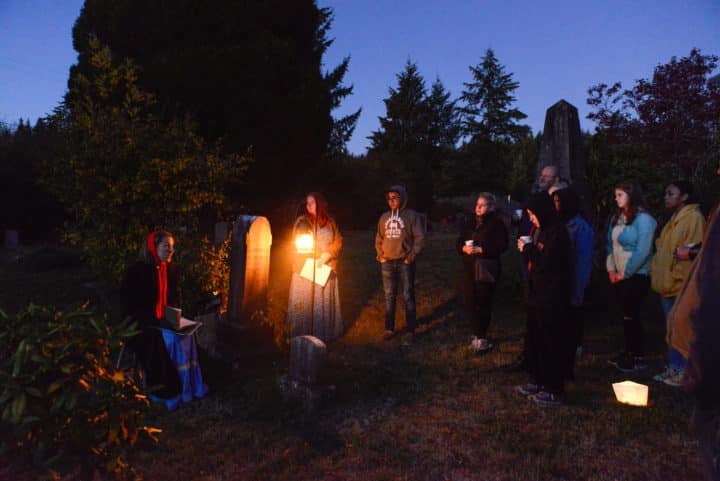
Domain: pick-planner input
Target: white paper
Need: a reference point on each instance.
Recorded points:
(188, 326)
(321, 274)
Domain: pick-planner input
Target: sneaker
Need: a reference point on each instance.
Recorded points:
(480, 344)
(527, 389)
(660, 377)
(544, 398)
(675, 378)
(617, 359)
(388, 335)
(407, 339)
(631, 363)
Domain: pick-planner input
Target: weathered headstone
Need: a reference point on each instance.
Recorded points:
(561, 143)
(307, 356)
(249, 268)
(562, 146)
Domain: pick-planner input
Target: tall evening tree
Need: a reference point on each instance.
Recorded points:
(488, 98)
(250, 73)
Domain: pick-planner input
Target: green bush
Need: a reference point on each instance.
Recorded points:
(61, 400)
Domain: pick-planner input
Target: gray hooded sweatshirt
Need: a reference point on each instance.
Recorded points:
(399, 233)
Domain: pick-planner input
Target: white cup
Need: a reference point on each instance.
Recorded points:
(470, 243)
(525, 239)
(518, 213)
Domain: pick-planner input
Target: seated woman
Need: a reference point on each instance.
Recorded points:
(169, 359)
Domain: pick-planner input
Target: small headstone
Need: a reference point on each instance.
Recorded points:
(307, 356)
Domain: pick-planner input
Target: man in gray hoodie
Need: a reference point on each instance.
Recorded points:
(398, 242)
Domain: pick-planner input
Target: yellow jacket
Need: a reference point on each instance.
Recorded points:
(668, 274)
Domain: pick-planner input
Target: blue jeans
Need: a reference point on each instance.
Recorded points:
(394, 272)
(675, 359)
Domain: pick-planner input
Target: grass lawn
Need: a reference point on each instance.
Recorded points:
(429, 412)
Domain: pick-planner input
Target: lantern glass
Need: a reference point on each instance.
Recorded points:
(304, 243)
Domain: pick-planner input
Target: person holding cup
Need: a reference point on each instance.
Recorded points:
(150, 292)
(481, 241)
(548, 257)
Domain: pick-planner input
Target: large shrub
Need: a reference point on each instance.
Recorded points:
(61, 401)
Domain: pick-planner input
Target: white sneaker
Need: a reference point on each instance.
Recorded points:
(675, 379)
(664, 375)
(475, 344)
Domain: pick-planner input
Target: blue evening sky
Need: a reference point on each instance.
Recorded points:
(555, 49)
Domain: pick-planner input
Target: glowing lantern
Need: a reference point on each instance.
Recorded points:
(628, 392)
(304, 243)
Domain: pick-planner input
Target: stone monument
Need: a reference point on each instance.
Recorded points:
(562, 143)
(562, 146)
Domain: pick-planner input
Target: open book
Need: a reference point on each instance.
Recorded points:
(187, 327)
(321, 274)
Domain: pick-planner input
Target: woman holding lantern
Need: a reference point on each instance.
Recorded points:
(314, 302)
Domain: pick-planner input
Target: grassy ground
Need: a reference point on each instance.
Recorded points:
(429, 412)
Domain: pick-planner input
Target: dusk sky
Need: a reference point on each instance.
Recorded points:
(555, 50)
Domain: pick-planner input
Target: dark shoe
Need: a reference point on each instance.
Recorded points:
(631, 363)
(388, 335)
(544, 398)
(617, 359)
(407, 339)
(527, 389)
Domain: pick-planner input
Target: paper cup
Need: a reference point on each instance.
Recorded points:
(526, 239)
(470, 243)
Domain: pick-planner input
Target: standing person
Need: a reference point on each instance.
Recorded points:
(314, 309)
(696, 332)
(567, 203)
(548, 180)
(629, 253)
(481, 242)
(398, 242)
(549, 272)
(667, 273)
(168, 359)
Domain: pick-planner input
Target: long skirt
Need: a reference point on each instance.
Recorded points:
(314, 310)
(184, 355)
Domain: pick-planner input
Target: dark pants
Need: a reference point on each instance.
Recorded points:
(160, 372)
(706, 425)
(477, 296)
(631, 293)
(548, 346)
(395, 272)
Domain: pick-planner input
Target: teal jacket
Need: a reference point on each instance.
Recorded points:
(636, 238)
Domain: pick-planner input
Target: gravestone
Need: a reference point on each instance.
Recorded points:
(307, 356)
(240, 333)
(562, 146)
(249, 268)
(561, 143)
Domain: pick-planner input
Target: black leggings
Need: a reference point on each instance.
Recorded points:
(631, 293)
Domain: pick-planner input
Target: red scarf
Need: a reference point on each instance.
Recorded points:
(161, 266)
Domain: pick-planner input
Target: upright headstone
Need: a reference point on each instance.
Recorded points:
(561, 143)
(307, 356)
(562, 146)
(249, 268)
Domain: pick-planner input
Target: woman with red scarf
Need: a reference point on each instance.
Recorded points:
(168, 359)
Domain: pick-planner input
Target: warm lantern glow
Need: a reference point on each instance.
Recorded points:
(304, 243)
(632, 393)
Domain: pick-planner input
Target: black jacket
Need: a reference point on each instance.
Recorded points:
(549, 257)
(488, 232)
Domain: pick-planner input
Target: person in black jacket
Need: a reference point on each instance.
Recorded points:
(481, 241)
(168, 359)
(548, 256)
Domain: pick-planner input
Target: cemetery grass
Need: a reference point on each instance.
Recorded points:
(432, 411)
